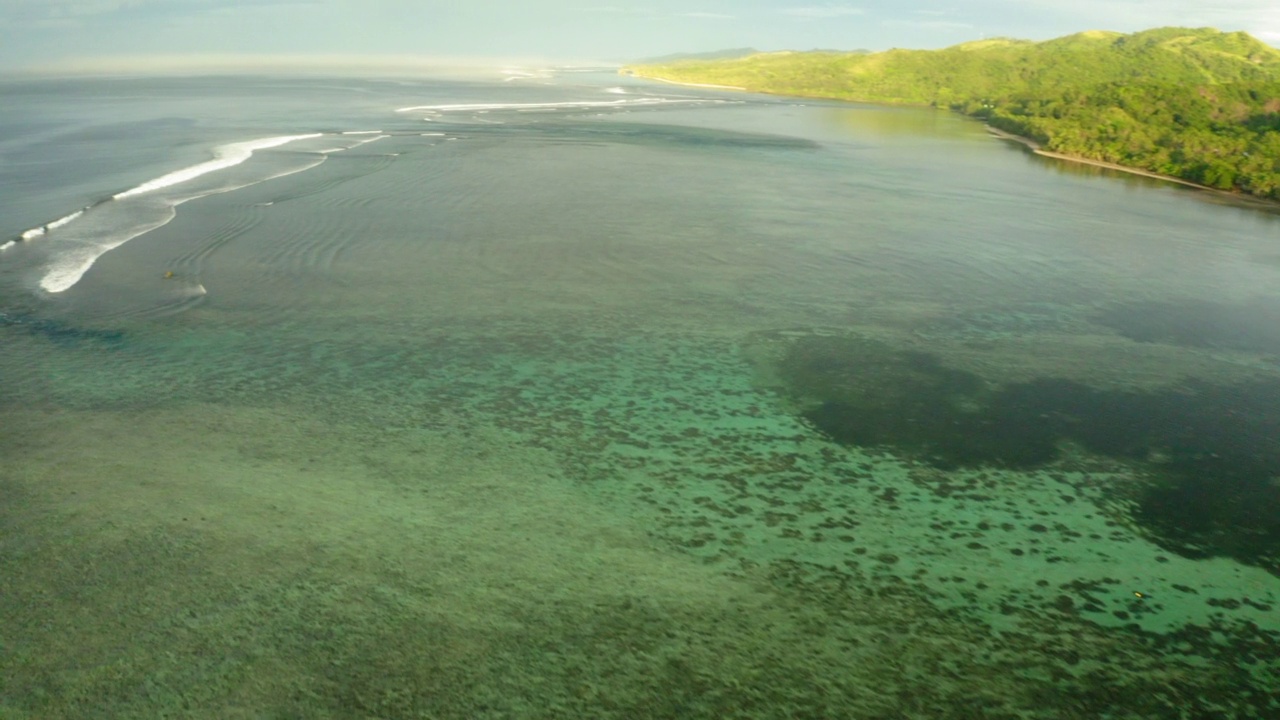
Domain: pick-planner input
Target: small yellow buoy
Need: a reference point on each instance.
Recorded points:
(168, 275)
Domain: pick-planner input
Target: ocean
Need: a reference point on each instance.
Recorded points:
(546, 394)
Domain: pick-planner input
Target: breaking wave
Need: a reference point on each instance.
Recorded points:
(74, 242)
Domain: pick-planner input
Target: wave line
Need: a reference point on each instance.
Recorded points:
(36, 232)
(223, 157)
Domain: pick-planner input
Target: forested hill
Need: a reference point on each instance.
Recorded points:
(1197, 104)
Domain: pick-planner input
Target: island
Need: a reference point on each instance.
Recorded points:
(1195, 104)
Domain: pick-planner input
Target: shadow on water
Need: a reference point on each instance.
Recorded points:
(644, 134)
(891, 122)
(678, 135)
(1210, 453)
(62, 333)
(1253, 326)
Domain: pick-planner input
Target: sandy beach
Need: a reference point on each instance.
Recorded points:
(689, 84)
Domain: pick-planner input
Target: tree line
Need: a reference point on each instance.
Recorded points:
(1196, 104)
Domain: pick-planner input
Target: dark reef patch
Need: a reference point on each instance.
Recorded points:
(1210, 454)
(992, 324)
(681, 137)
(1253, 326)
(59, 332)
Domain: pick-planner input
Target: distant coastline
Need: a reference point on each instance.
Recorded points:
(690, 84)
(1195, 106)
(1034, 146)
(1031, 144)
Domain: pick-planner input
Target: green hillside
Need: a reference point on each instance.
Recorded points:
(1197, 104)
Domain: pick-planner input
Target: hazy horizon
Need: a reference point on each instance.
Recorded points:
(73, 36)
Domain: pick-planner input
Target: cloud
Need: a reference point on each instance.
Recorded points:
(929, 24)
(707, 15)
(381, 65)
(1260, 15)
(63, 9)
(615, 10)
(823, 11)
(1260, 18)
(105, 19)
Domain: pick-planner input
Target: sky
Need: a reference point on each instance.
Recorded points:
(77, 35)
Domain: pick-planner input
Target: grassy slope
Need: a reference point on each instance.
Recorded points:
(1198, 104)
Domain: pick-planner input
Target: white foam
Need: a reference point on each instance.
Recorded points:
(71, 265)
(317, 161)
(224, 157)
(363, 132)
(522, 74)
(356, 144)
(61, 222)
(82, 249)
(617, 91)
(34, 233)
(8, 245)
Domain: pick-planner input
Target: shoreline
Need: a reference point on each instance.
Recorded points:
(689, 84)
(1032, 145)
(1036, 148)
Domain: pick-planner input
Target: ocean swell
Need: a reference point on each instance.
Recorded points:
(75, 242)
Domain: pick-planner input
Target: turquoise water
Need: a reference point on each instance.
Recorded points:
(592, 398)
